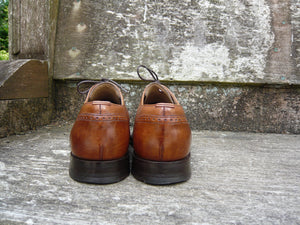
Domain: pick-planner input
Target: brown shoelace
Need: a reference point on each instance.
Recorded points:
(152, 73)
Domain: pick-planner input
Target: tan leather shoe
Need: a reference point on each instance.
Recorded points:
(100, 136)
(161, 137)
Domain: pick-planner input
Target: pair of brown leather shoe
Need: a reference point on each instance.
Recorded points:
(100, 136)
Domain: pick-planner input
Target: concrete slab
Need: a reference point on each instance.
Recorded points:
(237, 178)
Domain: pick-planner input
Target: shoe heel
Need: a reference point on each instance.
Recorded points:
(99, 172)
(161, 173)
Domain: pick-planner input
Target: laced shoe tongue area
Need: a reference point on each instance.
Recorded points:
(156, 94)
(105, 92)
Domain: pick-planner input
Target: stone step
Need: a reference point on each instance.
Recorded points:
(237, 178)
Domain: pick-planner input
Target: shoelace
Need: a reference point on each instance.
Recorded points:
(97, 82)
(152, 73)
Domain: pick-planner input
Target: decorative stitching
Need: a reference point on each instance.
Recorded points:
(161, 119)
(98, 117)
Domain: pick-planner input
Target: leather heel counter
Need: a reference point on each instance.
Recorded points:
(177, 141)
(101, 132)
(162, 138)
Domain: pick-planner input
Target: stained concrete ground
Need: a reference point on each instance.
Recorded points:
(237, 178)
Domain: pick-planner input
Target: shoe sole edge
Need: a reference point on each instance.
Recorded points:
(99, 171)
(161, 173)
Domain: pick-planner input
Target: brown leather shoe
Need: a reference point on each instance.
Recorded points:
(161, 137)
(100, 136)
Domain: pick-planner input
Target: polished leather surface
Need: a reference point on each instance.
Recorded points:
(161, 130)
(101, 130)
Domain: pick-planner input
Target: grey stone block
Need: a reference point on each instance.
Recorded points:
(237, 178)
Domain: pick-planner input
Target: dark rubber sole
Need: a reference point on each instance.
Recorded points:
(161, 173)
(99, 172)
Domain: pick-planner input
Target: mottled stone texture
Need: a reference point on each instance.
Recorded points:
(28, 29)
(32, 29)
(235, 47)
(24, 96)
(245, 43)
(232, 41)
(237, 178)
(208, 106)
(32, 26)
(295, 23)
(20, 115)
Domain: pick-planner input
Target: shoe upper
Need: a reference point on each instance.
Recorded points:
(161, 130)
(101, 130)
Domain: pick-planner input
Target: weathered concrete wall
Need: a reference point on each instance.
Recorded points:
(295, 23)
(210, 106)
(28, 29)
(32, 26)
(20, 115)
(216, 55)
(24, 99)
(189, 40)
